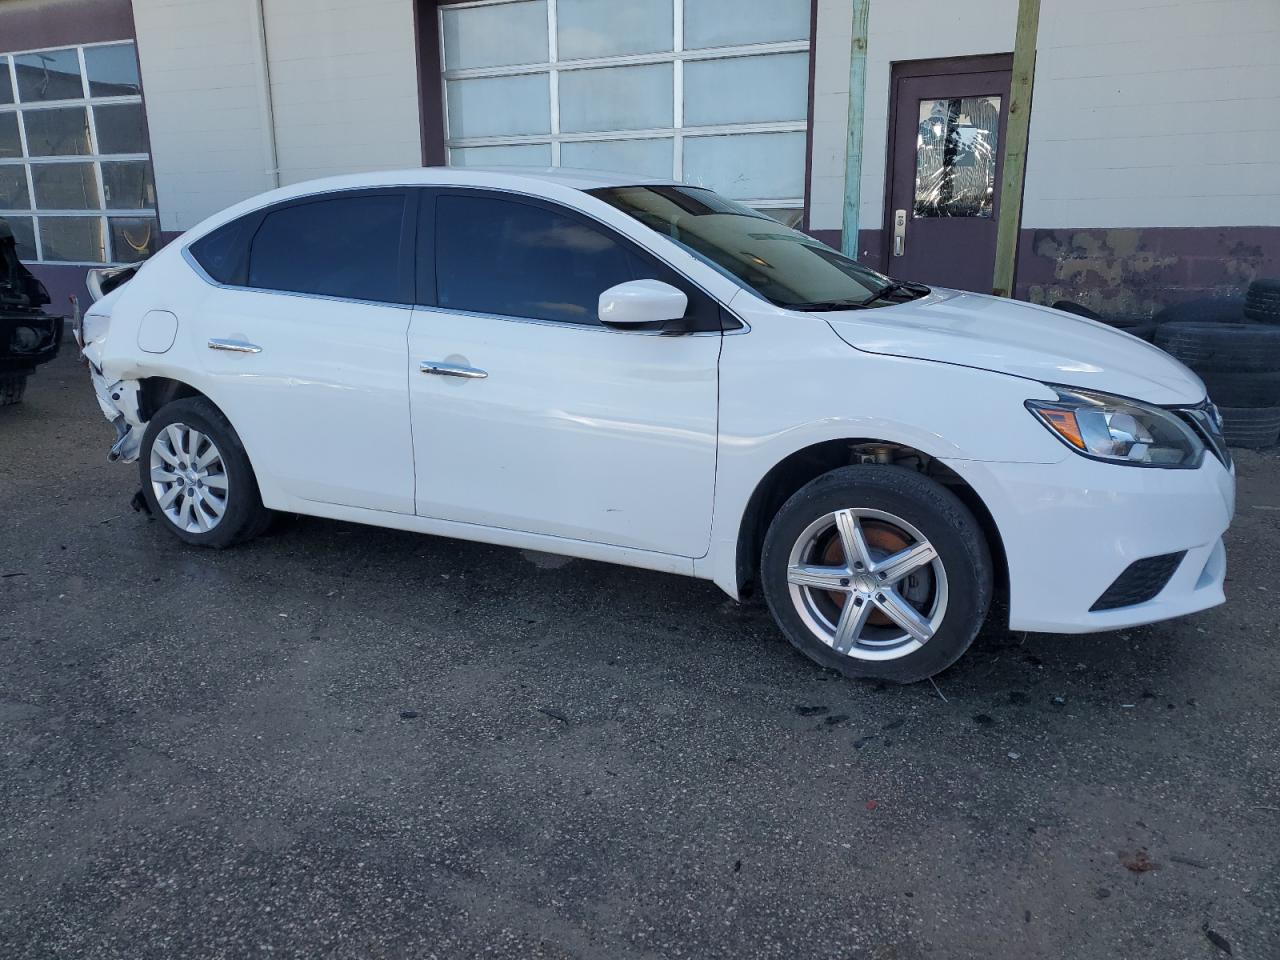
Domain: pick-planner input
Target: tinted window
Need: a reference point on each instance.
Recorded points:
(222, 252)
(520, 260)
(339, 247)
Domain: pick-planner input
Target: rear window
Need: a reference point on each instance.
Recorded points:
(221, 254)
(337, 247)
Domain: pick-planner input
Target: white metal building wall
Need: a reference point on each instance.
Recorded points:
(344, 95)
(204, 105)
(1147, 113)
(344, 86)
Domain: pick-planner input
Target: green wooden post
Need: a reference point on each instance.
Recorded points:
(853, 146)
(1017, 126)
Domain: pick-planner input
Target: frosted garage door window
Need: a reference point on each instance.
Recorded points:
(499, 106)
(501, 35)
(713, 92)
(616, 98)
(651, 158)
(726, 23)
(516, 155)
(764, 89)
(608, 28)
(747, 165)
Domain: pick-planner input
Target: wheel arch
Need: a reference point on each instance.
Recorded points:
(154, 393)
(801, 466)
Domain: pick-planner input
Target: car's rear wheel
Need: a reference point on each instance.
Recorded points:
(196, 476)
(877, 572)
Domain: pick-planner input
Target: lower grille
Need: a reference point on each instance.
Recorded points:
(1140, 582)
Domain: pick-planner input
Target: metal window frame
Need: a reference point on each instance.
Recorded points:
(677, 56)
(103, 214)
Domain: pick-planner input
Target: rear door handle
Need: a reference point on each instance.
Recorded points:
(235, 346)
(452, 370)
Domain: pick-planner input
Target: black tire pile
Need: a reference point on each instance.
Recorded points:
(1234, 346)
(1237, 355)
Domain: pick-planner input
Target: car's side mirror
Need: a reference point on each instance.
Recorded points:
(642, 305)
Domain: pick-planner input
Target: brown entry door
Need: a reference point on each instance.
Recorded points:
(947, 129)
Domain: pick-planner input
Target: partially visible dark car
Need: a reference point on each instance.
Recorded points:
(28, 335)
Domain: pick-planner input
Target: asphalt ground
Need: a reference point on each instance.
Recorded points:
(341, 741)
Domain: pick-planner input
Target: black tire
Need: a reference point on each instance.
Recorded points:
(12, 387)
(1252, 427)
(1203, 310)
(1079, 309)
(244, 517)
(924, 504)
(1227, 388)
(1243, 347)
(1142, 329)
(1262, 302)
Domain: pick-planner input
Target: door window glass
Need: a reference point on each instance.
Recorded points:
(956, 152)
(519, 260)
(341, 247)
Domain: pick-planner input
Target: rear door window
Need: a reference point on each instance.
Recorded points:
(341, 246)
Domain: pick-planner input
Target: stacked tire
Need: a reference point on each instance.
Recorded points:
(1239, 362)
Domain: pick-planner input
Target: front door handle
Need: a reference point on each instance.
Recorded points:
(235, 346)
(899, 232)
(452, 370)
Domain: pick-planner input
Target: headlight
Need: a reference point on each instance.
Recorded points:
(1118, 430)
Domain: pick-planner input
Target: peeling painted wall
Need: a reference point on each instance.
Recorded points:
(1132, 272)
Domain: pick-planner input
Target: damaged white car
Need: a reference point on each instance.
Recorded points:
(646, 373)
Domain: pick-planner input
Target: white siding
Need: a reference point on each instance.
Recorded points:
(204, 105)
(831, 47)
(1146, 113)
(344, 86)
(1151, 114)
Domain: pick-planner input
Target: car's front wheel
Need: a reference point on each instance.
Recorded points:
(877, 571)
(196, 476)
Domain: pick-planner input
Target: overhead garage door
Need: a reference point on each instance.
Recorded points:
(712, 92)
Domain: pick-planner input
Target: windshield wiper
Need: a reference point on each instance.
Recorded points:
(919, 289)
(819, 305)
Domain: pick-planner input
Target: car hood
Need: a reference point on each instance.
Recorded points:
(1020, 339)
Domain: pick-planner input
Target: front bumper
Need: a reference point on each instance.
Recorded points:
(1070, 529)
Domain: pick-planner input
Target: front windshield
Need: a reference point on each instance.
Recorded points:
(782, 265)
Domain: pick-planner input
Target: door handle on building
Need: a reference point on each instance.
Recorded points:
(452, 370)
(899, 232)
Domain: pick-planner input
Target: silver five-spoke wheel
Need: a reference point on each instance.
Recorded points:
(867, 584)
(188, 478)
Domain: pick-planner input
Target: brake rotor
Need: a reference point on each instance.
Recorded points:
(883, 540)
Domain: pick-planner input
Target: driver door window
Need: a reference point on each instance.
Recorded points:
(519, 260)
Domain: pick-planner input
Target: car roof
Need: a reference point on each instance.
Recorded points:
(534, 179)
(548, 182)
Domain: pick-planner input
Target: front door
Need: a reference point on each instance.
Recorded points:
(946, 132)
(528, 414)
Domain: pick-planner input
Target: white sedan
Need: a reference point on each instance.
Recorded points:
(647, 373)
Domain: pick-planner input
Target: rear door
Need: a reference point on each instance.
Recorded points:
(564, 427)
(306, 345)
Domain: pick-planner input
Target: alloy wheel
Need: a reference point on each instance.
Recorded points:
(868, 584)
(188, 478)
